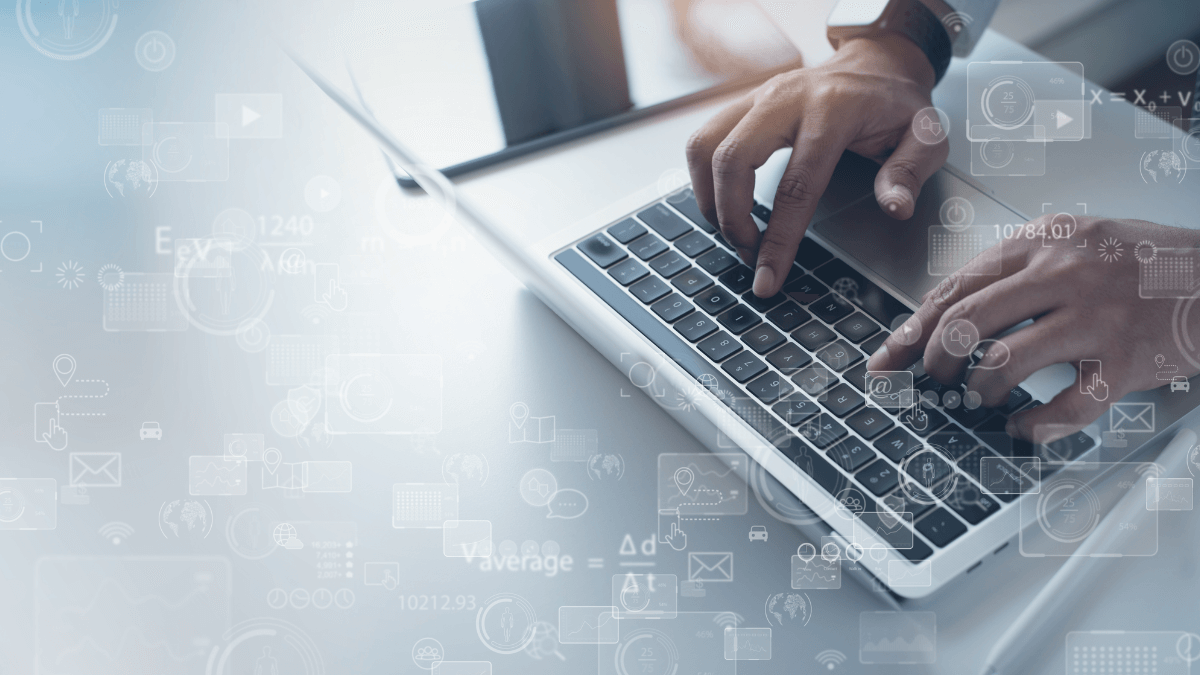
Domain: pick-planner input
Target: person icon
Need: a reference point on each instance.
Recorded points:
(266, 664)
(927, 472)
(506, 623)
(68, 16)
(226, 284)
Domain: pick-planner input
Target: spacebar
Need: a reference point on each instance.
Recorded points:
(665, 339)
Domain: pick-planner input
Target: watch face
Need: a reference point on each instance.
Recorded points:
(856, 13)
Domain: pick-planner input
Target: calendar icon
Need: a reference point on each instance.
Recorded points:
(143, 302)
(950, 250)
(123, 126)
(1169, 273)
(424, 505)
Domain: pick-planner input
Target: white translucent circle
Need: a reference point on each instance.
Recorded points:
(951, 400)
(806, 551)
(253, 335)
(155, 51)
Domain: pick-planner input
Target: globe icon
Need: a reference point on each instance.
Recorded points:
(284, 534)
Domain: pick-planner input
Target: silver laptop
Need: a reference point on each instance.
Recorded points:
(913, 480)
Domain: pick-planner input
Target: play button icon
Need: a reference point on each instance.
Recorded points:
(249, 115)
(322, 194)
(1062, 119)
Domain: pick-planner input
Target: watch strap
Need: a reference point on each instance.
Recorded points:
(923, 27)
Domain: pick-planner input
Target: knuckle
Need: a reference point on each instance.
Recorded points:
(796, 188)
(946, 293)
(697, 148)
(727, 158)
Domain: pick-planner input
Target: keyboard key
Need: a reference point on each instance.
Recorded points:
(872, 345)
(954, 441)
(739, 319)
(900, 502)
(796, 408)
(672, 308)
(880, 477)
(763, 338)
(647, 246)
(920, 551)
(770, 388)
(811, 254)
(691, 282)
(922, 421)
(650, 289)
(869, 422)
(805, 290)
(897, 444)
(851, 454)
(917, 369)
(858, 377)
(789, 358)
(856, 327)
(839, 355)
(969, 418)
(716, 261)
(894, 531)
(812, 463)
(970, 503)
(720, 346)
(763, 213)
(868, 296)
(715, 300)
(721, 241)
(830, 308)
(695, 326)
(628, 271)
(788, 316)
(694, 244)
(822, 430)
(684, 201)
(627, 230)
(940, 528)
(971, 465)
(813, 335)
(928, 469)
(743, 366)
(1069, 447)
(763, 304)
(814, 380)
(664, 221)
(842, 400)
(669, 264)
(739, 279)
(601, 250)
(1017, 398)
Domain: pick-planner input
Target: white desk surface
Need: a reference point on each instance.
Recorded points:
(442, 295)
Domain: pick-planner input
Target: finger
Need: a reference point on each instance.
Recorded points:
(903, 347)
(1068, 412)
(899, 181)
(814, 157)
(761, 132)
(991, 310)
(1052, 339)
(700, 148)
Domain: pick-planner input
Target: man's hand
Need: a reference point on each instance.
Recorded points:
(1085, 306)
(863, 99)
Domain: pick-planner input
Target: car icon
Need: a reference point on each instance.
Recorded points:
(758, 533)
(1180, 383)
(150, 430)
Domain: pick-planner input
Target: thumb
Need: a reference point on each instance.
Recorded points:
(899, 181)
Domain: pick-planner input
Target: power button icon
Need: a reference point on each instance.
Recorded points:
(956, 214)
(155, 51)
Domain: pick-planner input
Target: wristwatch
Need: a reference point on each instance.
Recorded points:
(911, 18)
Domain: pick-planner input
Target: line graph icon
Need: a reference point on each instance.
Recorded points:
(216, 475)
(588, 625)
(747, 644)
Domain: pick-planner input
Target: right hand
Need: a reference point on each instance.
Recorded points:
(56, 438)
(862, 99)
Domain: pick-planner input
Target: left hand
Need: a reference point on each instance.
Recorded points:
(1083, 306)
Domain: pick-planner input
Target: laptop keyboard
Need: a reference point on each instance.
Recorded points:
(794, 368)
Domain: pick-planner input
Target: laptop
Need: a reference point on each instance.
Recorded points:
(903, 475)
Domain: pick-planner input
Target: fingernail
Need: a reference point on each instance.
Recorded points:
(879, 355)
(764, 281)
(1011, 428)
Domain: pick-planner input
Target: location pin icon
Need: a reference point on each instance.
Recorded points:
(64, 368)
(271, 459)
(683, 479)
(1159, 360)
(519, 412)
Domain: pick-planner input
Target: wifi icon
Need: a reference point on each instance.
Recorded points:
(956, 21)
(831, 658)
(116, 531)
(315, 314)
(728, 619)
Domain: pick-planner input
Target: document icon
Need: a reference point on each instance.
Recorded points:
(1129, 417)
(95, 469)
(903, 574)
(467, 538)
(327, 476)
(710, 566)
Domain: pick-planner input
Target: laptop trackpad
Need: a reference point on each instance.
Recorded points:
(953, 222)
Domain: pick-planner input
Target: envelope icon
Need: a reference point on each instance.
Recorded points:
(95, 469)
(903, 574)
(467, 538)
(1131, 417)
(328, 476)
(710, 566)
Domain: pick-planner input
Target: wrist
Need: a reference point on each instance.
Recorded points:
(887, 52)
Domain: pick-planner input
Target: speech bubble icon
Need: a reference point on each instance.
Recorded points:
(567, 504)
(992, 358)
